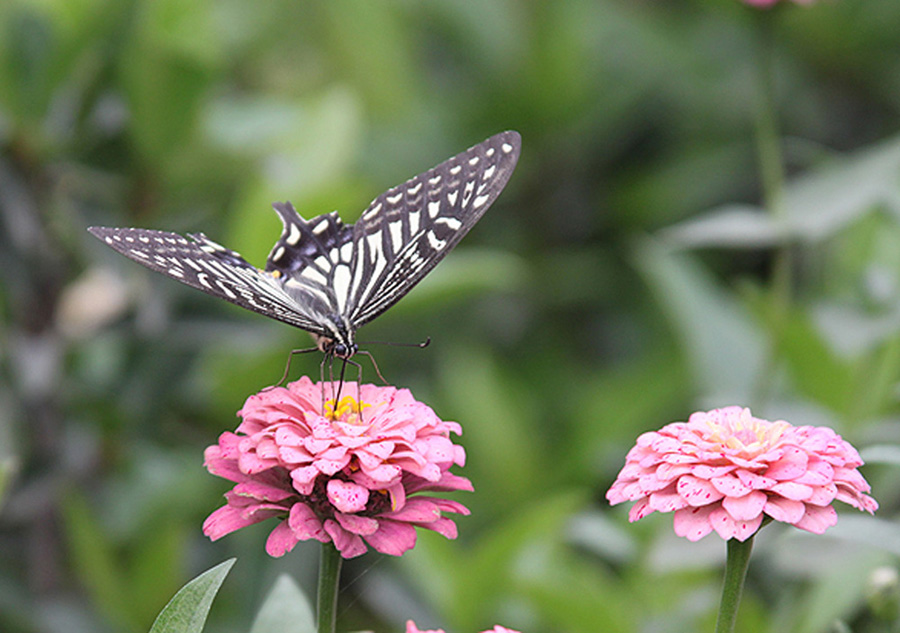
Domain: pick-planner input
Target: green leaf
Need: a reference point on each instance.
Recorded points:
(187, 611)
(95, 560)
(723, 344)
(285, 610)
(816, 371)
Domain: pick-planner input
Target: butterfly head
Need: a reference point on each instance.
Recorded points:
(340, 341)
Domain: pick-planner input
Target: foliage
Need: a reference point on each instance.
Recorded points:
(623, 280)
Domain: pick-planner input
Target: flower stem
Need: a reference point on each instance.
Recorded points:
(329, 579)
(772, 174)
(735, 571)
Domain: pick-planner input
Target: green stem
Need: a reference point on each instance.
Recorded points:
(733, 585)
(772, 174)
(329, 579)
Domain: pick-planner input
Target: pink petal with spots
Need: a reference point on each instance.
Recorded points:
(348, 544)
(790, 490)
(785, 510)
(639, 510)
(745, 508)
(728, 527)
(791, 465)
(693, 523)
(393, 538)
(817, 519)
(281, 540)
(364, 526)
(822, 495)
(819, 473)
(730, 486)
(697, 492)
(667, 501)
(754, 481)
(347, 496)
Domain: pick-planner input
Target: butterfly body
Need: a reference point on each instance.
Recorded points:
(330, 278)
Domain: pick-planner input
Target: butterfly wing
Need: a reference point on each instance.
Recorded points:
(212, 268)
(330, 278)
(408, 229)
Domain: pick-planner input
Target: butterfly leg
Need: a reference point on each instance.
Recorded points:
(287, 367)
(374, 364)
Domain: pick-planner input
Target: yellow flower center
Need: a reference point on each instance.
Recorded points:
(348, 409)
(747, 434)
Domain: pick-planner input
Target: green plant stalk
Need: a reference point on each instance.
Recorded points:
(772, 174)
(733, 586)
(329, 580)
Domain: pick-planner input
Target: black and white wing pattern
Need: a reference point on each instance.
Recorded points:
(330, 278)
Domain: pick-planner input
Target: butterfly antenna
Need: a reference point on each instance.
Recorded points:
(421, 345)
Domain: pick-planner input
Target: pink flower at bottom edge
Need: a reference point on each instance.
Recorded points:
(724, 470)
(412, 628)
(349, 472)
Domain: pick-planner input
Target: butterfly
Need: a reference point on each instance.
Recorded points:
(331, 278)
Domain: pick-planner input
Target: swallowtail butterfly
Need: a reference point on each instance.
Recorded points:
(330, 278)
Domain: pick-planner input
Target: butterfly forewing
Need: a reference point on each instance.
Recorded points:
(408, 229)
(207, 266)
(330, 278)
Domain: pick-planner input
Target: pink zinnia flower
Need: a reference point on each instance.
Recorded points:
(344, 476)
(412, 628)
(724, 469)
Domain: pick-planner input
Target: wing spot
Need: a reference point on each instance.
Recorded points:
(203, 278)
(227, 290)
(489, 172)
(143, 238)
(129, 239)
(396, 229)
(279, 253)
(455, 169)
(473, 161)
(414, 221)
(414, 190)
(371, 213)
(341, 286)
(323, 262)
(479, 201)
(435, 180)
(452, 223)
(507, 148)
(176, 272)
(433, 209)
(321, 227)
(294, 235)
(435, 243)
(140, 253)
(347, 252)
(451, 197)
(490, 152)
(313, 274)
(394, 199)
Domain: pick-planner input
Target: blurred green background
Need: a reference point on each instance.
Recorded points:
(621, 281)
